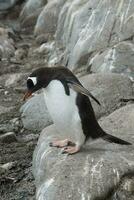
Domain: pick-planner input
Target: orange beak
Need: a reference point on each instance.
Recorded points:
(27, 95)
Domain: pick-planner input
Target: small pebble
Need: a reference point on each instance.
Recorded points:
(8, 166)
(6, 92)
(8, 137)
(20, 89)
(129, 185)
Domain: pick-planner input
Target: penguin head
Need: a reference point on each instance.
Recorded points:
(40, 78)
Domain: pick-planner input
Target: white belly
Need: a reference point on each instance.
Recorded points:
(63, 110)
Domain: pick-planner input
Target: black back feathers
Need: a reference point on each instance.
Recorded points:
(80, 89)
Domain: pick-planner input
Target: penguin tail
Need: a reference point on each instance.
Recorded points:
(113, 139)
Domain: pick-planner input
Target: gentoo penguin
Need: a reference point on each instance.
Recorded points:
(69, 106)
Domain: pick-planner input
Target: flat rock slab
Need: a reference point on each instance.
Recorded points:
(109, 89)
(120, 121)
(94, 172)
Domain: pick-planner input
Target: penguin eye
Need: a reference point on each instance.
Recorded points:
(30, 84)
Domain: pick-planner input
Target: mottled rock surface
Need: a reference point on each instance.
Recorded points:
(47, 20)
(94, 173)
(7, 46)
(4, 110)
(119, 59)
(30, 20)
(30, 7)
(94, 33)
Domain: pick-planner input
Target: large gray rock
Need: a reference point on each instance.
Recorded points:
(88, 28)
(34, 114)
(121, 121)
(107, 88)
(31, 19)
(118, 59)
(100, 171)
(47, 20)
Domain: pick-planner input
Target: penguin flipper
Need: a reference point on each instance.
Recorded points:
(79, 88)
(113, 139)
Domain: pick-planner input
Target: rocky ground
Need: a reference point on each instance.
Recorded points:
(16, 143)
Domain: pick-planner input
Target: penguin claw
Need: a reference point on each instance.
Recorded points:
(72, 144)
(64, 152)
(61, 143)
(71, 150)
(50, 144)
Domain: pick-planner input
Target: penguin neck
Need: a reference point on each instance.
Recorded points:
(59, 75)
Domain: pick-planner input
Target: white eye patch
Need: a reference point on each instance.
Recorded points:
(33, 79)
